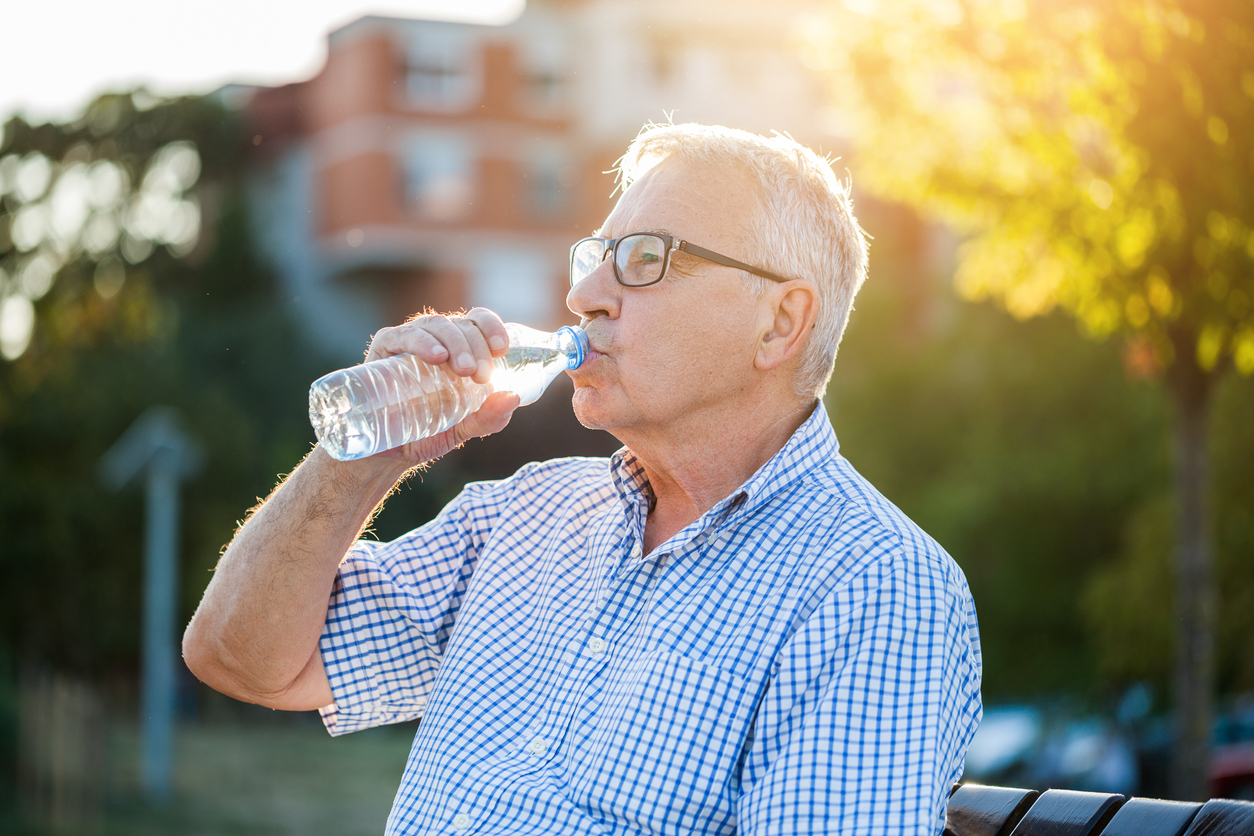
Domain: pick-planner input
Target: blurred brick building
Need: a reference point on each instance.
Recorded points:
(450, 165)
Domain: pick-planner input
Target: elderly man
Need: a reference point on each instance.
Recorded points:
(721, 629)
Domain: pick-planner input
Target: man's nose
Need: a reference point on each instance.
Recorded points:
(596, 294)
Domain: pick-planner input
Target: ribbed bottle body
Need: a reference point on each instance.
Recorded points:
(363, 410)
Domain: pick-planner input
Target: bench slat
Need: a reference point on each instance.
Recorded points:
(1221, 817)
(976, 810)
(1152, 817)
(1068, 813)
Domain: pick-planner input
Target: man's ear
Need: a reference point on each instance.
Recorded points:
(788, 314)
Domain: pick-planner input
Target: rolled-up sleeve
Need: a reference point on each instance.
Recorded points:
(392, 610)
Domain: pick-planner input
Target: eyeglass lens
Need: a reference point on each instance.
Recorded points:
(638, 258)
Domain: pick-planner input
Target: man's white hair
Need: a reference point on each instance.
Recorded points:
(804, 226)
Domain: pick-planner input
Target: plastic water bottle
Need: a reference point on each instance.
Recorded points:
(363, 410)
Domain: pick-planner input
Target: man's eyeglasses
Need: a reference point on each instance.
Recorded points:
(642, 258)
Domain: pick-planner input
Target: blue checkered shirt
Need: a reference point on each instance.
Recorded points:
(801, 659)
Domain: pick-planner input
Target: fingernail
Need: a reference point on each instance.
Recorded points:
(497, 343)
(439, 351)
(483, 368)
(465, 361)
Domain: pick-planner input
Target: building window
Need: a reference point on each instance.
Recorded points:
(439, 181)
(550, 180)
(516, 283)
(441, 73)
(544, 69)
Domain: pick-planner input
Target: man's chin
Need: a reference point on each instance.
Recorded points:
(586, 404)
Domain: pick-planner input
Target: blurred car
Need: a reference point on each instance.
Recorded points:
(1129, 753)
(1232, 771)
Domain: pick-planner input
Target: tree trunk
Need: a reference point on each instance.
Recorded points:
(1195, 602)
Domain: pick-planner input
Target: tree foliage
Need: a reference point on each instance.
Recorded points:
(127, 279)
(1094, 151)
(1043, 467)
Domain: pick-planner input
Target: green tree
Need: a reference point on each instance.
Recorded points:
(127, 279)
(1021, 449)
(1091, 152)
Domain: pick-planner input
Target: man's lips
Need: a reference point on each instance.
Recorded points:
(590, 357)
(595, 348)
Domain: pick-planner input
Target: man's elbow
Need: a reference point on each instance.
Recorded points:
(208, 656)
(208, 660)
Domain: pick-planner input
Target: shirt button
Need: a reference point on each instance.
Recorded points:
(636, 552)
(538, 746)
(461, 821)
(596, 646)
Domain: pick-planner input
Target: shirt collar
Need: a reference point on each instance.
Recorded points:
(810, 447)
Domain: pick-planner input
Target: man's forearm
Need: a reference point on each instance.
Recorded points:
(255, 634)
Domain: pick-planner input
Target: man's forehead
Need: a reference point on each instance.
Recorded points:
(679, 199)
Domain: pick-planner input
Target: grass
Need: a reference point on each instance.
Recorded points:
(282, 777)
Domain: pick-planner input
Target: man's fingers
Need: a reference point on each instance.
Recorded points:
(479, 349)
(405, 339)
(493, 416)
(461, 355)
(466, 344)
(492, 328)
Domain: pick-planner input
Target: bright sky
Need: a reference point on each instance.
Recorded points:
(59, 54)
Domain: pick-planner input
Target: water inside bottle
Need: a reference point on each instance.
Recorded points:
(528, 370)
(379, 405)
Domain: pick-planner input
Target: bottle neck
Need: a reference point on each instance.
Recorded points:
(573, 342)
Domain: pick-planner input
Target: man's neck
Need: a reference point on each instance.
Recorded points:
(694, 467)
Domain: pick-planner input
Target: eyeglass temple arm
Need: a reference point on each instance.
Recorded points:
(710, 255)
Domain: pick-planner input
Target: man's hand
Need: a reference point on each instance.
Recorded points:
(464, 346)
(255, 634)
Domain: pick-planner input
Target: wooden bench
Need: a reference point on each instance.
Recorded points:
(976, 810)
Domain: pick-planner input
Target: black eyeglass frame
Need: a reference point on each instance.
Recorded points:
(672, 245)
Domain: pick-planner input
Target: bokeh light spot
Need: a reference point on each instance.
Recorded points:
(32, 177)
(69, 207)
(30, 226)
(1217, 130)
(17, 322)
(107, 182)
(1101, 193)
(109, 277)
(8, 172)
(36, 275)
(101, 233)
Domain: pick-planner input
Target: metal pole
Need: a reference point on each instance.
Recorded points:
(160, 582)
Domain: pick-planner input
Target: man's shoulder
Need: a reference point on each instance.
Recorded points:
(841, 499)
(864, 540)
(575, 474)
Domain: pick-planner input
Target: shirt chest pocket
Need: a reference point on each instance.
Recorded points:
(664, 752)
